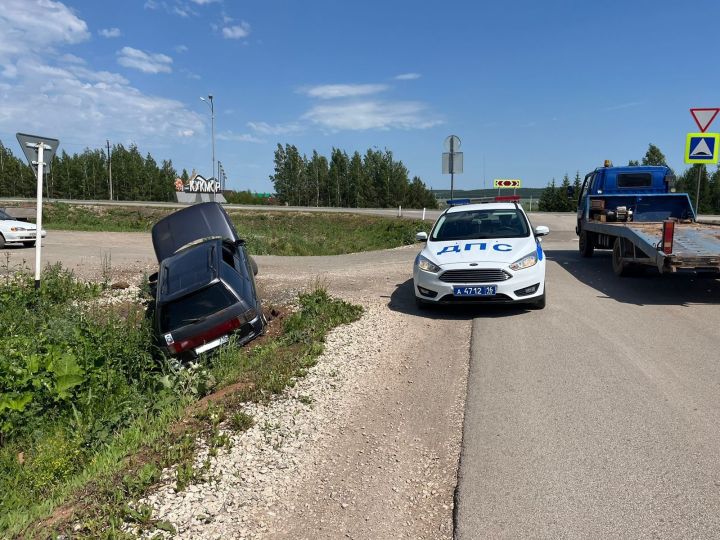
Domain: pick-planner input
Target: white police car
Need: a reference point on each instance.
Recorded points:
(481, 253)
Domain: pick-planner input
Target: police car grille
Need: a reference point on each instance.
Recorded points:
(484, 275)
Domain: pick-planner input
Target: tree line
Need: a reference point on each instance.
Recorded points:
(86, 176)
(563, 198)
(374, 180)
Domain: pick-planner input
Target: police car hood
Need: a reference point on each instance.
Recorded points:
(495, 250)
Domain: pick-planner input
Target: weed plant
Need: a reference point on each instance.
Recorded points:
(73, 373)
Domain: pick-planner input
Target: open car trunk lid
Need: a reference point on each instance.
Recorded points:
(189, 225)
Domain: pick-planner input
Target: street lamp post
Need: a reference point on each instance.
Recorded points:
(210, 104)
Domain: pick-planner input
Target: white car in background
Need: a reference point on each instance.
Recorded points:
(12, 230)
(481, 253)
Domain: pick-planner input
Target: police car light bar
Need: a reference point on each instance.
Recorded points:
(457, 202)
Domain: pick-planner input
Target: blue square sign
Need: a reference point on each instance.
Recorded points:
(702, 147)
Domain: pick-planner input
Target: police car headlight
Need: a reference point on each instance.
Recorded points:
(526, 262)
(424, 263)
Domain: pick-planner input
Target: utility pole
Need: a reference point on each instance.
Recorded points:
(109, 168)
(211, 104)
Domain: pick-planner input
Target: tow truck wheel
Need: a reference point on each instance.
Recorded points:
(585, 244)
(620, 266)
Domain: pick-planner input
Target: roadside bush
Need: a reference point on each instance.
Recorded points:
(73, 372)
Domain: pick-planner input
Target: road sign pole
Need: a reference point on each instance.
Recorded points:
(37, 149)
(697, 195)
(452, 171)
(38, 213)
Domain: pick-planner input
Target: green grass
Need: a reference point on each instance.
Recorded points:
(306, 233)
(89, 417)
(267, 233)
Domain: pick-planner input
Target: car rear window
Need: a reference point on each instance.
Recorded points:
(195, 306)
(480, 224)
(634, 180)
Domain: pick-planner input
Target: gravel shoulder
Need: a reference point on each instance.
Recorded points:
(367, 444)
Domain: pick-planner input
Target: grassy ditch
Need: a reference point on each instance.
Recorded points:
(267, 233)
(89, 415)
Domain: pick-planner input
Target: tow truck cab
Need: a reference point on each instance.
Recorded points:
(645, 193)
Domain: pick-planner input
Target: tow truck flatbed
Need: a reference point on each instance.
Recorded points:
(696, 246)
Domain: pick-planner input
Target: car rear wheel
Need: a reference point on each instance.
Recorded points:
(254, 266)
(620, 266)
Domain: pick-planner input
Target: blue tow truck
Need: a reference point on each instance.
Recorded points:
(635, 212)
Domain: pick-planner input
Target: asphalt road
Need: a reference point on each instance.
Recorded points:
(597, 417)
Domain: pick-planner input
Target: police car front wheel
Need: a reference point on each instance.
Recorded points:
(540, 302)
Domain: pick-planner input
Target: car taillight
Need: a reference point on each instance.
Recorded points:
(248, 316)
(668, 233)
(208, 335)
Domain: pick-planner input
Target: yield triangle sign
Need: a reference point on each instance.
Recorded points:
(29, 145)
(704, 117)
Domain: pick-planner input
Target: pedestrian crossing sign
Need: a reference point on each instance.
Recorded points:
(702, 147)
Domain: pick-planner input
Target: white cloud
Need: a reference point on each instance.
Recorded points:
(178, 7)
(71, 59)
(182, 11)
(110, 32)
(204, 2)
(190, 74)
(181, 48)
(59, 94)
(333, 91)
(238, 31)
(277, 129)
(372, 115)
(22, 31)
(407, 76)
(145, 62)
(239, 137)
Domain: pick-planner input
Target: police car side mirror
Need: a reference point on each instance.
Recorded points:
(421, 237)
(542, 230)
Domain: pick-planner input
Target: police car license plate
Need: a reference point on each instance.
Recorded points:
(482, 290)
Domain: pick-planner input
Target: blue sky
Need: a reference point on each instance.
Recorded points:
(534, 89)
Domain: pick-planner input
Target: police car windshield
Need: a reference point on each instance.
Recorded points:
(481, 224)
